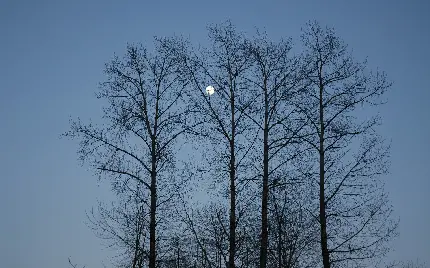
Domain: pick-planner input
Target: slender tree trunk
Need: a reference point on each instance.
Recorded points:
(152, 224)
(323, 222)
(154, 154)
(265, 193)
(280, 244)
(232, 238)
(137, 247)
(178, 257)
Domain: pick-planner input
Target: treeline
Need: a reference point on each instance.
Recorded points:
(282, 166)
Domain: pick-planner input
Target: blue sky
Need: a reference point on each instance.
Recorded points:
(52, 55)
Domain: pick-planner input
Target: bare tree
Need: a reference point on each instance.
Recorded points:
(143, 119)
(353, 210)
(224, 67)
(290, 156)
(276, 79)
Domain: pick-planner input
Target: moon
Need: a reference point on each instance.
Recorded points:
(210, 90)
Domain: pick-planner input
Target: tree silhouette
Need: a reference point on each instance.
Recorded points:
(143, 119)
(286, 147)
(353, 210)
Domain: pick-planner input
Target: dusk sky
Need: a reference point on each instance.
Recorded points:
(52, 55)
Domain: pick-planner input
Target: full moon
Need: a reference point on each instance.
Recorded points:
(210, 90)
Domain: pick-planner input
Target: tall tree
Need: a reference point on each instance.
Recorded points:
(223, 67)
(353, 210)
(276, 79)
(143, 119)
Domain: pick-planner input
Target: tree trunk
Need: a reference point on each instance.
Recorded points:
(152, 224)
(232, 235)
(323, 222)
(232, 238)
(265, 193)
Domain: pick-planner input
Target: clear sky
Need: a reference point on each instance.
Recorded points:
(52, 55)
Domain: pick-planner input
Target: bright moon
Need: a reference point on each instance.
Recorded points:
(210, 90)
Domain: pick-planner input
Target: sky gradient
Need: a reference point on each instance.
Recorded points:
(52, 55)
